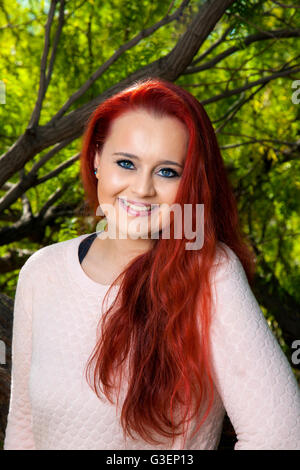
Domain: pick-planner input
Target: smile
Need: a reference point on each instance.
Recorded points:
(137, 210)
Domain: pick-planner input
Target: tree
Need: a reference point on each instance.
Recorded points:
(237, 57)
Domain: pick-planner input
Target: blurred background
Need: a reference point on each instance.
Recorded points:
(60, 59)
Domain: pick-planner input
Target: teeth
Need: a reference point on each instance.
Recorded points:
(136, 208)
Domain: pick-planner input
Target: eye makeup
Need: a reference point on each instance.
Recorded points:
(175, 174)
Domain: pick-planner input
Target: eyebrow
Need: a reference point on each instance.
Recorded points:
(130, 155)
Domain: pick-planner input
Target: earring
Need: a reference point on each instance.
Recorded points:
(95, 170)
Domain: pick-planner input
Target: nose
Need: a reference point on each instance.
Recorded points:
(143, 186)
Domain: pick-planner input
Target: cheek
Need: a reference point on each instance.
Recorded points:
(116, 179)
(168, 192)
(109, 182)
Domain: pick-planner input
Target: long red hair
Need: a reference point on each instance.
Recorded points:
(165, 293)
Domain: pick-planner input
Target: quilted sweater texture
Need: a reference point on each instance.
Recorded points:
(56, 313)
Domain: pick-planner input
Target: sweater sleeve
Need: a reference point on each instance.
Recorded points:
(251, 373)
(19, 435)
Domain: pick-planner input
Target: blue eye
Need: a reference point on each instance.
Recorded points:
(126, 161)
(175, 174)
(170, 169)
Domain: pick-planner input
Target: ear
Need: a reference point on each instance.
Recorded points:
(96, 159)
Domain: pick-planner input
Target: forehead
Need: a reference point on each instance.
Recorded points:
(142, 115)
(140, 127)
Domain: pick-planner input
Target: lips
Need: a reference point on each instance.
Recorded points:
(132, 211)
(140, 204)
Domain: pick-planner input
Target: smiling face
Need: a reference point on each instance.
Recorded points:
(141, 162)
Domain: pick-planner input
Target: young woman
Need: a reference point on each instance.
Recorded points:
(132, 337)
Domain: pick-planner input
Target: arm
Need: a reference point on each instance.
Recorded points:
(19, 435)
(253, 376)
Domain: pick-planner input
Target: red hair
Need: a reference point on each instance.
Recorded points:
(165, 293)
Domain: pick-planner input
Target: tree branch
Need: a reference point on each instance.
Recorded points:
(72, 125)
(43, 82)
(212, 47)
(277, 301)
(263, 80)
(237, 108)
(56, 41)
(52, 199)
(34, 228)
(30, 180)
(275, 34)
(13, 260)
(27, 210)
(125, 47)
(58, 169)
(282, 5)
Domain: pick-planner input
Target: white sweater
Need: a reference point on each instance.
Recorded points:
(56, 313)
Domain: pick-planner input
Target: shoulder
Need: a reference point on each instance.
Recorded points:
(227, 268)
(225, 258)
(47, 257)
(235, 307)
